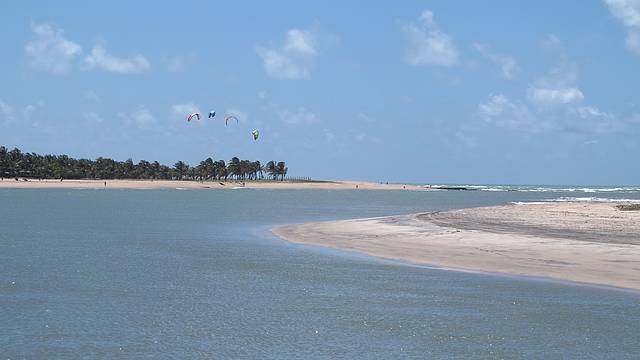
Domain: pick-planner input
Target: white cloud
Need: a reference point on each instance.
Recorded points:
(462, 136)
(600, 121)
(628, 11)
(9, 113)
(508, 64)
(364, 137)
(428, 45)
(92, 96)
(590, 111)
(548, 96)
(93, 117)
(552, 42)
(300, 42)
(185, 108)
(427, 18)
(558, 86)
(501, 111)
(49, 51)
(554, 103)
(366, 118)
(329, 136)
(632, 41)
(28, 111)
(294, 60)
(143, 117)
(534, 118)
(6, 109)
(178, 63)
(281, 66)
(100, 59)
(564, 75)
(6, 113)
(495, 106)
(300, 116)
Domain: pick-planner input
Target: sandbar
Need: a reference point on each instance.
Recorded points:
(593, 243)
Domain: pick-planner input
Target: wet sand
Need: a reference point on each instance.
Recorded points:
(583, 242)
(175, 184)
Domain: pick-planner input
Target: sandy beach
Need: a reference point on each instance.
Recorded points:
(591, 243)
(187, 184)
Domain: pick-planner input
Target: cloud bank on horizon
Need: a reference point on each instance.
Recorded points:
(363, 94)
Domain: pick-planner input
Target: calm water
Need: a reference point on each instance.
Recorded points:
(95, 274)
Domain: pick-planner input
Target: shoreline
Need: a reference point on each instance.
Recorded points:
(197, 185)
(573, 242)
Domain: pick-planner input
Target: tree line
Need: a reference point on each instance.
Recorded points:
(14, 164)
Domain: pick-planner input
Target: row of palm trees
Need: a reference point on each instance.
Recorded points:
(14, 164)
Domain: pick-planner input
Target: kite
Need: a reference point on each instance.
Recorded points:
(192, 115)
(230, 117)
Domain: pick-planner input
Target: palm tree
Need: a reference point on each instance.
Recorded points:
(220, 169)
(199, 170)
(254, 167)
(259, 169)
(193, 173)
(143, 170)
(63, 167)
(234, 168)
(245, 168)
(4, 162)
(15, 158)
(207, 168)
(128, 168)
(155, 170)
(281, 170)
(181, 169)
(271, 169)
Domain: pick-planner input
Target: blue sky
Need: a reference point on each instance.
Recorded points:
(412, 91)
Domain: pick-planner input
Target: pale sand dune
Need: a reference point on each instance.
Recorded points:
(591, 243)
(173, 184)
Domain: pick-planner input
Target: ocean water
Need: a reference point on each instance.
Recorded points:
(170, 274)
(616, 193)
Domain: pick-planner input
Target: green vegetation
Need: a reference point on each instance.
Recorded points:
(15, 164)
(629, 207)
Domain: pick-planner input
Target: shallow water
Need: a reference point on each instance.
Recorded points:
(93, 274)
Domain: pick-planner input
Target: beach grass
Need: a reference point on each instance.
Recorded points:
(629, 207)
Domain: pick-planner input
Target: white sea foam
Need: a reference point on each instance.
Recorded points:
(528, 202)
(541, 188)
(550, 189)
(593, 199)
(576, 199)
